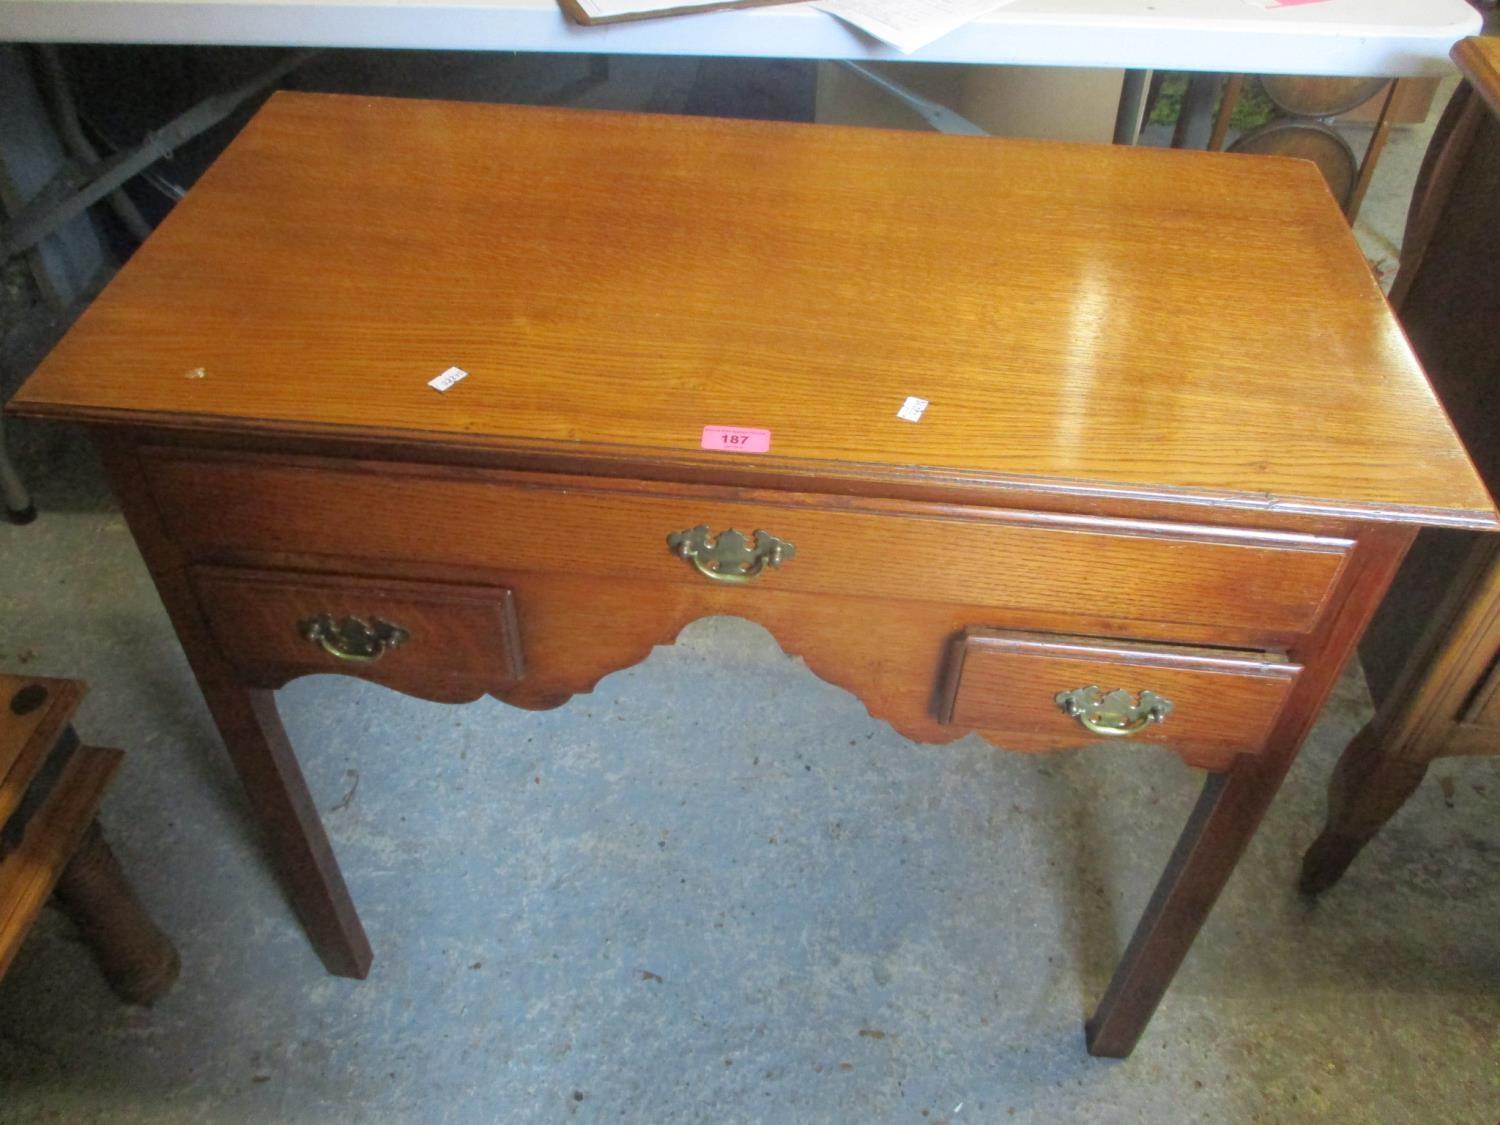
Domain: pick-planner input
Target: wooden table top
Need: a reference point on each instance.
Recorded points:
(1124, 321)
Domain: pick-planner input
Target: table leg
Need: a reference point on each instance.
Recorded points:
(1230, 808)
(267, 766)
(1368, 787)
(1228, 99)
(1132, 102)
(1376, 146)
(1217, 833)
(18, 506)
(1195, 119)
(252, 731)
(134, 955)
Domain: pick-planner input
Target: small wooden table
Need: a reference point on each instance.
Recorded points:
(50, 843)
(698, 354)
(1432, 655)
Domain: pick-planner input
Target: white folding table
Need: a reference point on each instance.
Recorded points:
(1393, 38)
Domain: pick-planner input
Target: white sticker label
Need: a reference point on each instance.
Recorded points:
(451, 376)
(911, 409)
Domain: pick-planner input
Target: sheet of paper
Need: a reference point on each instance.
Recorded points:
(909, 25)
(604, 9)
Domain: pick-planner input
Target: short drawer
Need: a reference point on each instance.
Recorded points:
(1050, 692)
(516, 523)
(436, 640)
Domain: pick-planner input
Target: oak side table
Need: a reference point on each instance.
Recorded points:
(470, 399)
(1432, 654)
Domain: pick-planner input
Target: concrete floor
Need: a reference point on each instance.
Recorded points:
(633, 908)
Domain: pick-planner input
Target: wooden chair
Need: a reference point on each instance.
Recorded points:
(1432, 653)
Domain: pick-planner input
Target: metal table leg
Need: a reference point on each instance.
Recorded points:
(18, 506)
(1132, 101)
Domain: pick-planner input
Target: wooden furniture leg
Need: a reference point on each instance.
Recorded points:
(1422, 718)
(1368, 787)
(267, 765)
(1376, 146)
(1233, 86)
(1222, 822)
(257, 743)
(1217, 832)
(134, 955)
(1434, 648)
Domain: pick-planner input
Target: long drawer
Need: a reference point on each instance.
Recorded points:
(512, 523)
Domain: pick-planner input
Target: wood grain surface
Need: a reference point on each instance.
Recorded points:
(461, 641)
(30, 729)
(1224, 702)
(1168, 405)
(1479, 59)
(31, 871)
(1179, 322)
(530, 523)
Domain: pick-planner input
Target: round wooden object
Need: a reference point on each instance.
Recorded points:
(1308, 140)
(1319, 97)
(136, 958)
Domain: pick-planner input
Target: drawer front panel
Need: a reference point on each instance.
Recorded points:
(439, 641)
(1218, 702)
(511, 522)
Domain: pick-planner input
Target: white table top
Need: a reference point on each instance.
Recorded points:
(1348, 37)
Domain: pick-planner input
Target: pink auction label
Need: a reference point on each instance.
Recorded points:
(735, 439)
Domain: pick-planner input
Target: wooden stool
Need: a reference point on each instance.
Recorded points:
(50, 788)
(1432, 653)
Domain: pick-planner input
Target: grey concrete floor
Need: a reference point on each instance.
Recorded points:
(713, 890)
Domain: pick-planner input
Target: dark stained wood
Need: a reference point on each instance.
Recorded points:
(1113, 450)
(136, 958)
(1421, 594)
(1368, 787)
(1228, 812)
(1224, 702)
(462, 641)
(1432, 650)
(1376, 146)
(252, 732)
(1447, 152)
(1428, 713)
(620, 282)
(527, 523)
(1229, 97)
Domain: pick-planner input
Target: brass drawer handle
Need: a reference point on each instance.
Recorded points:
(1114, 714)
(353, 638)
(728, 556)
